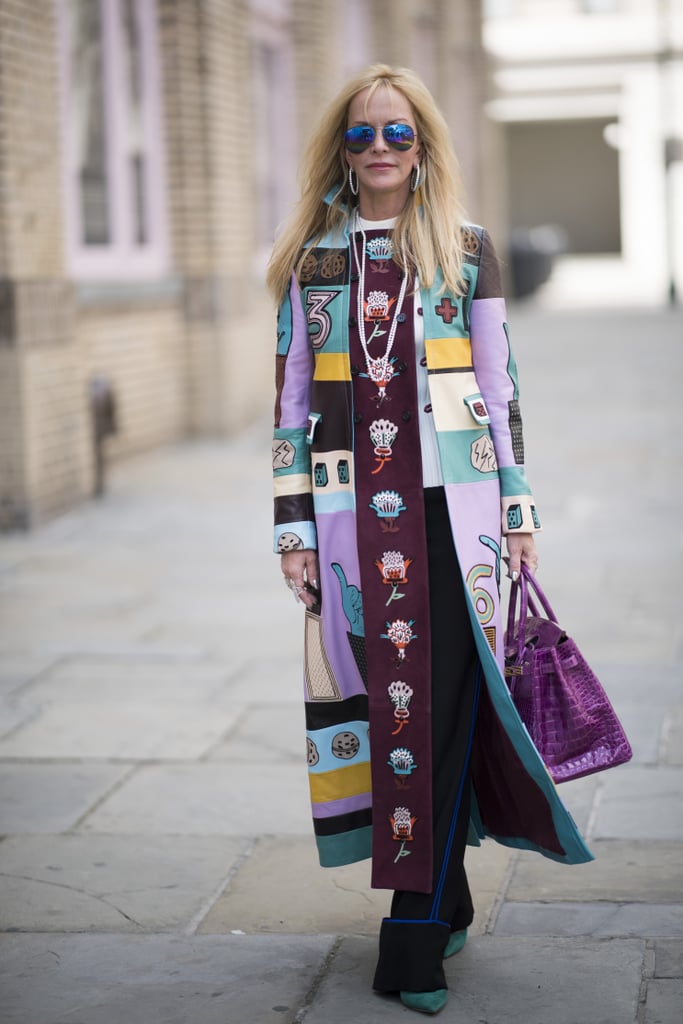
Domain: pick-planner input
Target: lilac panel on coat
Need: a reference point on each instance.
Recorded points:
(490, 356)
(475, 519)
(332, 808)
(295, 399)
(337, 540)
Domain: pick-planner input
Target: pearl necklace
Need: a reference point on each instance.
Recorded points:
(380, 370)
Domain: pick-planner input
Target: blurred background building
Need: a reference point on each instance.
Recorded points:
(589, 98)
(148, 152)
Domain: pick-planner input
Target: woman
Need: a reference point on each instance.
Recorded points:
(397, 455)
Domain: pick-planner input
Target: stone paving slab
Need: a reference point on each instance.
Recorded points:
(263, 678)
(272, 731)
(641, 801)
(282, 888)
(120, 708)
(74, 883)
(648, 686)
(15, 710)
(623, 871)
(51, 797)
(54, 627)
(495, 981)
(18, 669)
(631, 920)
(664, 1002)
(579, 797)
(644, 725)
(672, 739)
(157, 979)
(668, 958)
(203, 798)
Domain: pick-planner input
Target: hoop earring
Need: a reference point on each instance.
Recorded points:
(415, 178)
(353, 176)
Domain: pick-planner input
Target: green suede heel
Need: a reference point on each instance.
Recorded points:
(425, 1002)
(455, 943)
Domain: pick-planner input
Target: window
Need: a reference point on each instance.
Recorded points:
(113, 168)
(273, 121)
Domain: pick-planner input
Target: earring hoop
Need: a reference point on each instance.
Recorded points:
(415, 178)
(353, 179)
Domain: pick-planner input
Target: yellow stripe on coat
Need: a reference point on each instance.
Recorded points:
(332, 366)
(350, 781)
(448, 353)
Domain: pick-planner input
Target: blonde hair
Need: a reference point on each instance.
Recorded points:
(427, 233)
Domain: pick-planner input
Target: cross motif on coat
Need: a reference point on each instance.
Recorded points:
(447, 311)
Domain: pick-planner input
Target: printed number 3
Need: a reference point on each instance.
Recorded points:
(318, 316)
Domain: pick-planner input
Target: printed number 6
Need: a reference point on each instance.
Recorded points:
(483, 602)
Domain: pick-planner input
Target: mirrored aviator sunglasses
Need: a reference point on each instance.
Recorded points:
(398, 136)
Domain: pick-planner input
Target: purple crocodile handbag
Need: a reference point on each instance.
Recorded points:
(560, 700)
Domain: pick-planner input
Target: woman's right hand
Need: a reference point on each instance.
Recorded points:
(301, 567)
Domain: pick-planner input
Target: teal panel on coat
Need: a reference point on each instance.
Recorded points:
(513, 481)
(293, 454)
(345, 848)
(436, 326)
(284, 326)
(458, 449)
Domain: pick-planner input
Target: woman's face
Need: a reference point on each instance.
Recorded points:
(383, 171)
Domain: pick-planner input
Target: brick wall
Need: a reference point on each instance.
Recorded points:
(31, 215)
(206, 57)
(44, 463)
(140, 349)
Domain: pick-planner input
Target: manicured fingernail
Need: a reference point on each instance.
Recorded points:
(514, 576)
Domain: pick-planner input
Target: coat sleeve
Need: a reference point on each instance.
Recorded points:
(496, 372)
(294, 519)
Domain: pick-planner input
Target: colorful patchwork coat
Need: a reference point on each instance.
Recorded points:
(323, 449)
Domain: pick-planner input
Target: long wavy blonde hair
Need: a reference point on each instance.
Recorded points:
(427, 233)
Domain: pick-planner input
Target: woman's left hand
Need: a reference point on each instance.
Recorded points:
(521, 548)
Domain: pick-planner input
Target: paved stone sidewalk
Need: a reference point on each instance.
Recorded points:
(156, 859)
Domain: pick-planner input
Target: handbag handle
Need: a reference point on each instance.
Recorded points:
(521, 588)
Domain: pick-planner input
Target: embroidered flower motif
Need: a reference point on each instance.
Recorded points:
(402, 761)
(380, 251)
(382, 434)
(380, 372)
(400, 633)
(388, 505)
(378, 305)
(402, 822)
(399, 695)
(394, 572)
(394, 567)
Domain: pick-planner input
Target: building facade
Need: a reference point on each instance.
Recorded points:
(589, 98)
(148, 151)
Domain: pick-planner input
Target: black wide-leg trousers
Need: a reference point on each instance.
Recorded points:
(413, 939)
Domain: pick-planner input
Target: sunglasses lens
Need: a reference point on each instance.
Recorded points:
(359, 138)
(399, 136)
